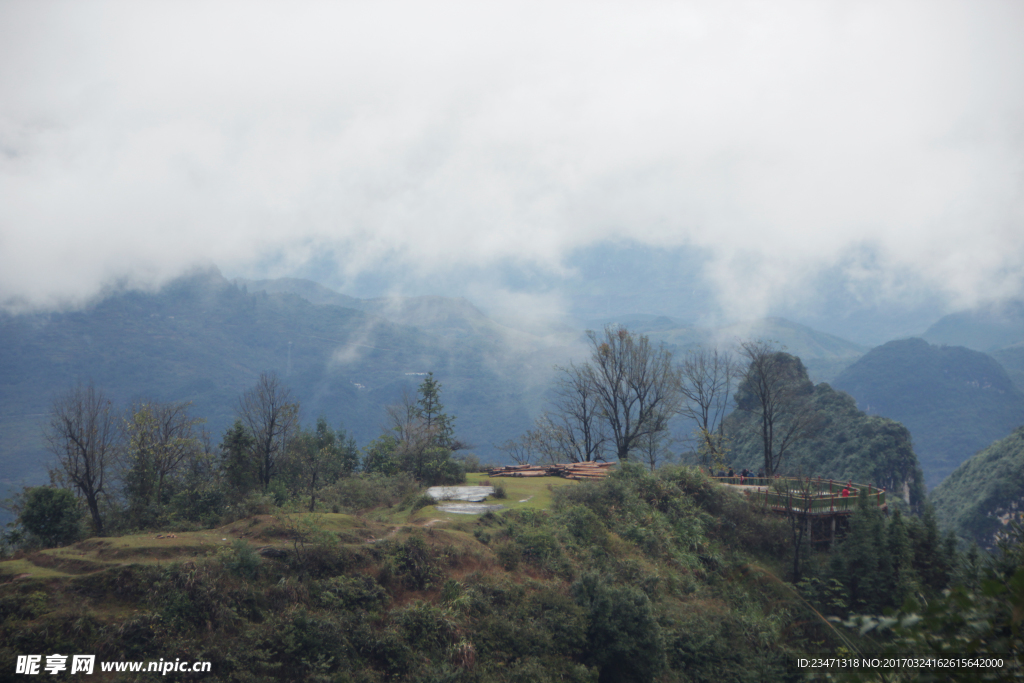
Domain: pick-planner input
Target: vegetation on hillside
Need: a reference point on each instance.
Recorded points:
(984, 495)
(640, 577)
(286, 553)
(838, 441)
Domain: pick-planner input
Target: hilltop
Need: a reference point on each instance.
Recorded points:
(955, 401)
(846, 444)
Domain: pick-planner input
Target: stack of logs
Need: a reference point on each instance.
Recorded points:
(573, 470)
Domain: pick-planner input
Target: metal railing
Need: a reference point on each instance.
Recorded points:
(814, 496)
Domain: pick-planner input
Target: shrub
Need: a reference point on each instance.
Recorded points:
(508, 555)
(241, 560)
(411, 564)
(50, 515)
(624, 639)
(204, 506)
(425, 627)
(582, 525)
(352, 592)
(368, 491)
(421, 502)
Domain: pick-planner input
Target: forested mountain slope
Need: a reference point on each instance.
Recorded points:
(845, 443)
(985, 493)
(954, 401)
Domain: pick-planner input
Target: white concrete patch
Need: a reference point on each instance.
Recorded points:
(473, 494)
(469, 508)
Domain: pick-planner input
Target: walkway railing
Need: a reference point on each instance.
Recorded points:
(814, 496)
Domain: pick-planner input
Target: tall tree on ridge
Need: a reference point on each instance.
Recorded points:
(271, 417)
(775, 386)
(637, 388)
(83, 434)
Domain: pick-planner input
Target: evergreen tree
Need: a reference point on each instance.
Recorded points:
(438, 425)
(236, 464)
(902, 578)
(379, 454)
(858, 562)
(933, 559)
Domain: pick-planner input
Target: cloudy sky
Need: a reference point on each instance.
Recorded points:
(880, 144)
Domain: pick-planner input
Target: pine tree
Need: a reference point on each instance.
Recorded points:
(902, 578)
(439, 426)
(860, 559)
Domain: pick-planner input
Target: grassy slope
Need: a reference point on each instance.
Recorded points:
(701, 560)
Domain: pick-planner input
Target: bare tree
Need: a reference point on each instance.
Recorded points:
(707, 378)
(656, 448)
(635, 385)
(271, 417)
(522, 450)
(775, 386)
(160, 438)
(574, 427)
(83, 434)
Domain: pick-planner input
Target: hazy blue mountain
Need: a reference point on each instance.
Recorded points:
(608, 279)
(953, 400)
(985, 493)
(1012, 359)
(824, 355)
(313, 292)
(986, 328)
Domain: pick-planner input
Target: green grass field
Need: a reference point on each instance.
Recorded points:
(520, 492)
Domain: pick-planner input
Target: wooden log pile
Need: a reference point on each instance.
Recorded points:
(572, 470)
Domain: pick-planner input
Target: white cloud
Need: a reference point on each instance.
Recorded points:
(139, 139)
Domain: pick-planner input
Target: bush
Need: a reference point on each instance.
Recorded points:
(624, 639)
(421, 502)
(368, 491)
(241, 560)
(204, 506)
(254, 504)
(410, 563)
(278, 491)
(352, 592)
(508, 555)
(50, 515)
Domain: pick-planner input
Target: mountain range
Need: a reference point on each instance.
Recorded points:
(205, 339)
(954, 400)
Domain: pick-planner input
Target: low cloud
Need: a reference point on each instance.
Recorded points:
(884, 141)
